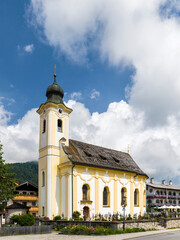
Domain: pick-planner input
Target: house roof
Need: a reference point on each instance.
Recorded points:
(163, 186)
(27, 186)
(30, 198)
(91, 155)
(16, 205)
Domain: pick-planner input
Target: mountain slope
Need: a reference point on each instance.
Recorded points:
(27, 171)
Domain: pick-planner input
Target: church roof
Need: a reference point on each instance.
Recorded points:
(91, 155)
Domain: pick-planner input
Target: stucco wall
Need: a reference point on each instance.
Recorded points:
(11, 212)
(115, 181)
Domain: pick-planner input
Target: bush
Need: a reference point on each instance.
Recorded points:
(57, 218)
(76, 215)
(23, 220)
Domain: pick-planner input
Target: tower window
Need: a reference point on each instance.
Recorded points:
(59, 123)
(43, 179)
(44, 126)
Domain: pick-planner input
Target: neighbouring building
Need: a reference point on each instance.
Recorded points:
(77, 176)
(15, 209)
(27, 194)
(25, 201)
(161, 193)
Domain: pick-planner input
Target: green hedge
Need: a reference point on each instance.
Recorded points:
(23, 220)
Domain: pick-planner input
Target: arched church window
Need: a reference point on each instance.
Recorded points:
(59, 123)
(85, 192)
(123, 196)
(144, 198)
(106, 197)
(43, 212)
(44, 126)
(43, 178)
(136, 197)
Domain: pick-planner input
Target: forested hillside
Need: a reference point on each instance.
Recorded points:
(27, 171)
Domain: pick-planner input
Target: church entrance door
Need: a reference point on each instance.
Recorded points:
(86, 213)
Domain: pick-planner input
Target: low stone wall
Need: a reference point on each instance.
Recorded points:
(146, 224)
(6, 231)
(172, 223)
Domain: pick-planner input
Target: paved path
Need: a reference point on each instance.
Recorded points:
(155, 235)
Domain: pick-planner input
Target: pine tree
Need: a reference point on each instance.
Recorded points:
(7, 182)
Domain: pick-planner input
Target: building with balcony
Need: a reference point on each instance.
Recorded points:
(25, 201)
(159, 194)
(27, 194)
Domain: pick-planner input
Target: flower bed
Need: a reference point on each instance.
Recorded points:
(100, 230)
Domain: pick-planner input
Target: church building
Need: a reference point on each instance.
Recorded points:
(77, 176)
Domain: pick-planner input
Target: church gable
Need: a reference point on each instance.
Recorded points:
(92, 155)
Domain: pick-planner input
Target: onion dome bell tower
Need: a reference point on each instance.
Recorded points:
(54, 93)
(54, 132)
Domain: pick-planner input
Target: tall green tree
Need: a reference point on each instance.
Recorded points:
(7, 182)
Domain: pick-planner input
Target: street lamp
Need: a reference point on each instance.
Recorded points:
(124, 209)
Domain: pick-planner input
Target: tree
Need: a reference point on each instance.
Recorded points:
(7, 182)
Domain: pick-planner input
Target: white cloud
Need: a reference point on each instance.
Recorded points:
(156, 150)
(76, 96)
(29, 48)
(144, 35)
(94, 94)
(20, 141)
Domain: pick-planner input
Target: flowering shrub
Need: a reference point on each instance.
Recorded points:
(84, 230)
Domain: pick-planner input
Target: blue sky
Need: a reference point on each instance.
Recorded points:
(25, 76)
(118, 64)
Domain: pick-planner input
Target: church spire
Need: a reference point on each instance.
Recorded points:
(55, 73)
(54, 92)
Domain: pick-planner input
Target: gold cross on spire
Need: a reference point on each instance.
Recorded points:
(55, 73)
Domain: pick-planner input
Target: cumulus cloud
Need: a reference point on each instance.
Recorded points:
(76, 96)
(94, 94)
(20, 141)
(29, 48)
(144, 35)
(156, 150)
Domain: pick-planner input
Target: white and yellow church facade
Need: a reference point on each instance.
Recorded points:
(76, 176)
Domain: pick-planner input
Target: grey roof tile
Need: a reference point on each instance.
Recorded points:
(91, 155)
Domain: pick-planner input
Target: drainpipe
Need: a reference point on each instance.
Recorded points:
(72, 189)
